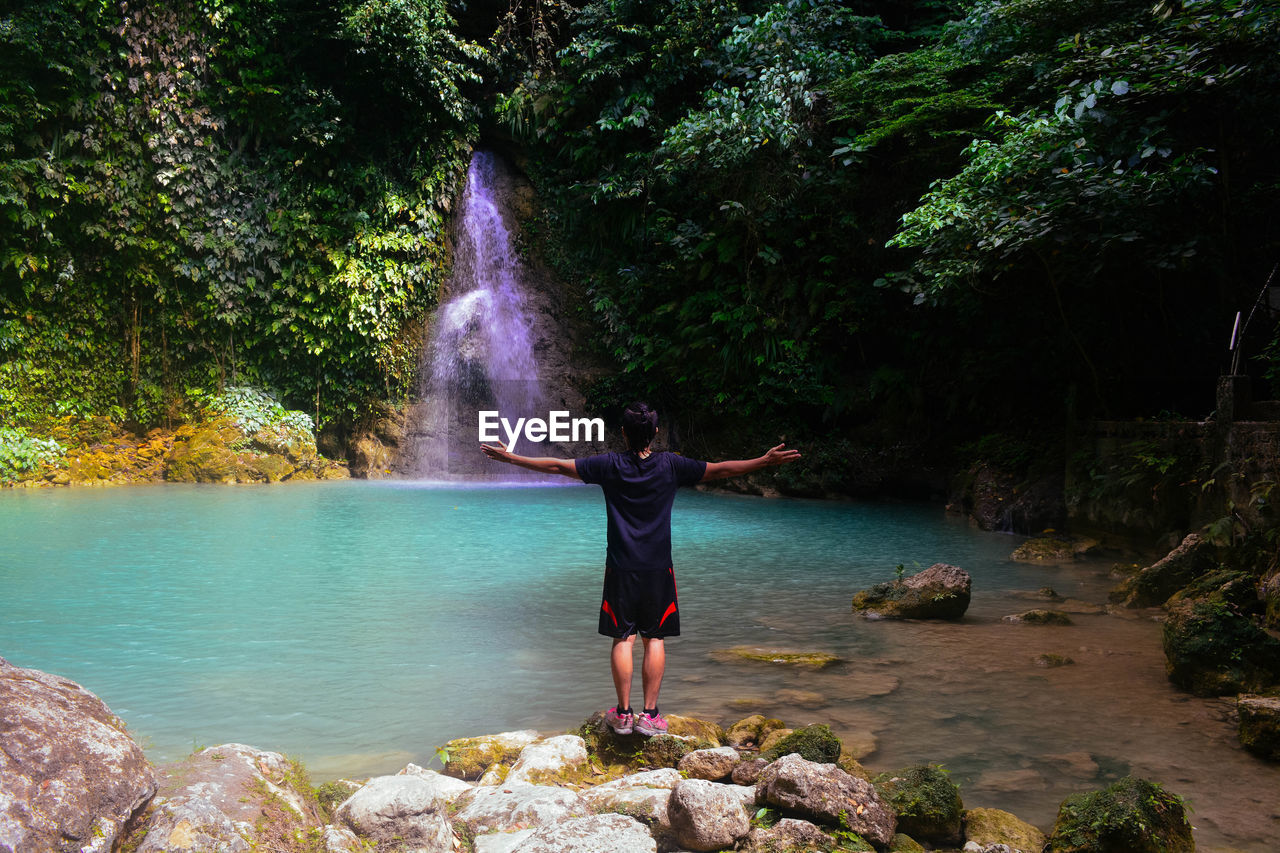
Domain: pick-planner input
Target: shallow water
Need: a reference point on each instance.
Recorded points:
(360, 625)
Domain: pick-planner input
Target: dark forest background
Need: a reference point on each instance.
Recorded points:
(959, 225)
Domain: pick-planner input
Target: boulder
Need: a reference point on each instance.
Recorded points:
(446, 788)
(787, 836)
(1260, 725)
(707, 816)
(501, 842)
(927, 802)
(547, 758)
(703, 732)
(1053, 549)
(748, 772)
(1152, 586)
(941, 591)
(711, 764)
(470, 757)
(1269, 593)
(70, 775)
(643, 795)
(824, 792)
(401, 809)
(229, 798)
(1130, 816)
(1211, 649)
(988, 827)
(752, 731)
(593, 834)
(815, 743)
(507, 808)
(340, 839)
(665, 750)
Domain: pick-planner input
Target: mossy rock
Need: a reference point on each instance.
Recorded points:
(850, 841)
(470, 757)
(666, 750)
(813, 743)
(1211, 649)
(273, 468)
(1130, 816)
(901, 843)
(752, 730)
(1153, 585)
(1260, 725)
(993, 826)
(772, 738)
(1236, 588)
(783, 657)
(941, 591)
(607, 746)
(927, 802)
(1041, 617)
(1053, 549)
(704, 731)
(853, 767)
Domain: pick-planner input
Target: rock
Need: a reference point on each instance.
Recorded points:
(701, 731)
(771, 740)
(501, 842)
(400, 809)
(643, 795)
(229, 798)
(546, 758)
(70, 775)
(707, 816)
(927, 802)
(748, 772)
(516, 807)
(808, 699)
(1152, 586)
(1211, 649)
(783, 657)
(1269, 593)
(901, 843)
(1053, 549)
(446, 788)
(711, 764)
(1040, 617)
(340, 839)
(665, 750)
(1130, 816)
(814, 743)
(469, 757)
(1079, 764)
(787, 836)
(941, 591)
(823, 792)
(1051, 660)
(611, 832)
(988, 827)
(752, 731)
(1260, 725)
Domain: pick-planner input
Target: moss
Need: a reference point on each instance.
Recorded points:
(1130, 816)
(470, 757)
(330, 795)
(752, 730)
(815, 743)
(1212, 649)
(927, 802)
(803, 660)
(1041, 617)
(665, 750)
(904, 844)
(703, 730)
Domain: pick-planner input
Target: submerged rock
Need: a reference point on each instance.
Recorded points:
(1053, 549)
(803, 660)
(1260, 725)
(1040, 617)
(231, 797)
(1130, 816)
(941, 591)
(70, 775)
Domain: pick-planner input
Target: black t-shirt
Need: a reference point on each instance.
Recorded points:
(638, 494)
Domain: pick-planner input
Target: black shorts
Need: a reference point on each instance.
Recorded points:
(639, 601)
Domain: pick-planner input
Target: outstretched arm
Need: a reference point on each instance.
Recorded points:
(545, 464)
(775, 456)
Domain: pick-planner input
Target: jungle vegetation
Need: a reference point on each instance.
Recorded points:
(881, 218)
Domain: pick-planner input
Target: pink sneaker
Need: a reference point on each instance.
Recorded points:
(620, 723)
(651, 725)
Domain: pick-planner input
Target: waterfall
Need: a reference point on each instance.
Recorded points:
(480, 354)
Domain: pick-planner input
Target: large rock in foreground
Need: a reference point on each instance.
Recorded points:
(405, 809)
(828, 795)
(1153, 585)
(941, 591)
(231, 797)
(1212, 649)
(70, 776)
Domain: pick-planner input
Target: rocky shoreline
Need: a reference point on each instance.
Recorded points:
(72, 779)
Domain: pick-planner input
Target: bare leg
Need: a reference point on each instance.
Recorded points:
(655, 664)
(620, 663)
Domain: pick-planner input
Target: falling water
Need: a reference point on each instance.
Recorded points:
(481, 350)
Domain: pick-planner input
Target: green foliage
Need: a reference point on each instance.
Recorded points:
(814, 743)
(21, 454)
(1132, 815)
(258, 414)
